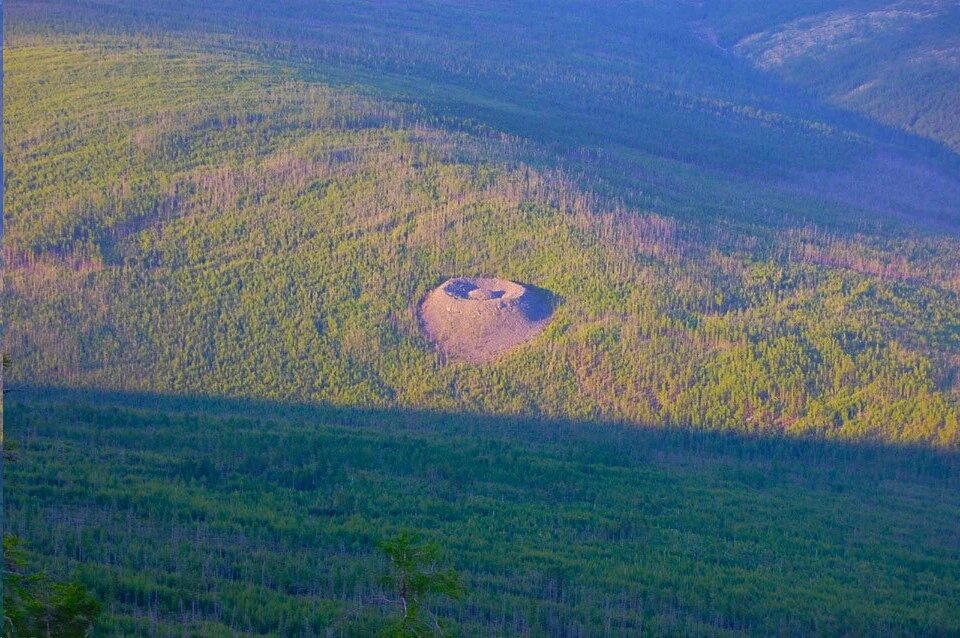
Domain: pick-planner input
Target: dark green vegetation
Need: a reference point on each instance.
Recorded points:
(412, 578)
(189, 518)
(35, 605)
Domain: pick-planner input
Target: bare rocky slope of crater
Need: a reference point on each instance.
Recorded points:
(477, 319)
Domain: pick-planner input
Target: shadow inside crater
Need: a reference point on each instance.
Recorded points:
(538, 303)
(482, 294)
(461, 288)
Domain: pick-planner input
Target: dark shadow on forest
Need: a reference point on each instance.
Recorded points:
(604, 442)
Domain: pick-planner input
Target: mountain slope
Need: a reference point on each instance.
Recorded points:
(896, 62)
(629, 97)
(194, 222)
(218, 519)
(221, 218)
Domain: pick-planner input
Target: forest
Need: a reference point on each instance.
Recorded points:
(231, 231)
(742, 419)
(189, 516)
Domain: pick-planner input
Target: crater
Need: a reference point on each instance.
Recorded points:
(477, 319)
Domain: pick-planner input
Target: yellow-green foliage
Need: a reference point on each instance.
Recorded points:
(191, 222)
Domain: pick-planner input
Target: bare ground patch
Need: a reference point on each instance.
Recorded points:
(477, 319)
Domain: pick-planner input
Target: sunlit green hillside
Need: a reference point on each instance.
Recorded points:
(192, 222)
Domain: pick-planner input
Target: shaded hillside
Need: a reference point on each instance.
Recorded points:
(186, 220)
(196, 517)
(896, 62)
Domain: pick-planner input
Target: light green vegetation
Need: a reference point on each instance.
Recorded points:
(196, 223)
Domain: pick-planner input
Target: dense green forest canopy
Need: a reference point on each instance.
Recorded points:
(198, 517)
